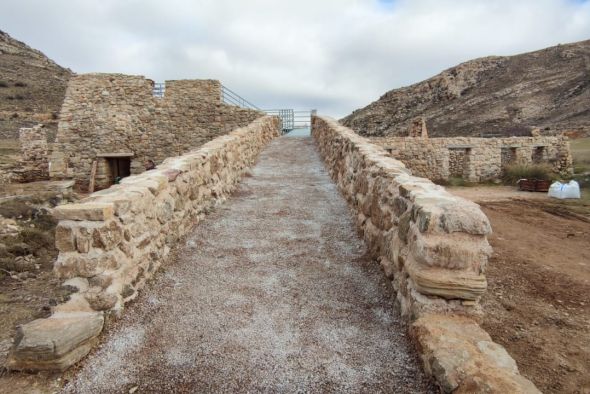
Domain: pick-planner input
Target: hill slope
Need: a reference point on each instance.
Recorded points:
(32, 87)
(549, 89)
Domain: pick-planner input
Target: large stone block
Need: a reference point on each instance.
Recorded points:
(84, 211)
(462, 357)
(54, 343)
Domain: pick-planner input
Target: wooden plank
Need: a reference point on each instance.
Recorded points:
(92, 176)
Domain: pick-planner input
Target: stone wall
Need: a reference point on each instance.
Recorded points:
(108, 116)
(111, 242)
(34, 162)
(434, 248)
(476, 159)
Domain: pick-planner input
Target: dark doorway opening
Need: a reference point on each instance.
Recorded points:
(120, 167)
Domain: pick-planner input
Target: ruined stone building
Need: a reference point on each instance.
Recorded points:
(474, 159)
(110, 124)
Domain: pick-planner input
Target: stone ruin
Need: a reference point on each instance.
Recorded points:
(432, 245)
(33, 164)
(110, 124)
(474, 159)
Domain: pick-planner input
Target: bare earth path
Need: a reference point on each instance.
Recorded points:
(272, 292)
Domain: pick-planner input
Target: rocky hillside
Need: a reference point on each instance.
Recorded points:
(32, 87)
(549, 89)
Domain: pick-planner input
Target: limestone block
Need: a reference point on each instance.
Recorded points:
(452, 251)
(84, 211)
(65, 239)
(449, 284)
(463, 359)
(101, 300)
(54, 343)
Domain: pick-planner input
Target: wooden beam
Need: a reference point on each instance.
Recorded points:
(92, 176)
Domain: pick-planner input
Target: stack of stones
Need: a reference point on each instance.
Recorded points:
(34, 163)
(114, 240)
(434, 248)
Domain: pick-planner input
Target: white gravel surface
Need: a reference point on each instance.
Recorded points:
(272, 292)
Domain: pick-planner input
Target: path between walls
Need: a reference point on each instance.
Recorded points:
(271, 292)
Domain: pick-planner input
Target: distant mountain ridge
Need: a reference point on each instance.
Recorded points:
(504, 95)
(32, 87)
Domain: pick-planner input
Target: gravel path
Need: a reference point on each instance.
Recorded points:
(272, 292)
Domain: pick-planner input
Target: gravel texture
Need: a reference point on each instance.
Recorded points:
(272, 292)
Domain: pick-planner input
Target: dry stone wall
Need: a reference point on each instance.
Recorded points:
(114, 240)
(34, 162)
(113, 115)
(476, 159)
(434, 248)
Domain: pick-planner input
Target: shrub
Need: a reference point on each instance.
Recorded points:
(20, 84)
(514, 172)
(3, 84)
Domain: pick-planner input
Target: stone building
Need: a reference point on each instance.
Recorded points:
(110, 124)
(476, 159)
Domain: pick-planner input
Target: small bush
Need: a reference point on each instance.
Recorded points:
(19, 97)
(20, 84)
(515, 172)
(3, 84)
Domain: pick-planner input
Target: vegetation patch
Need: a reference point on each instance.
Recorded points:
(513, 173)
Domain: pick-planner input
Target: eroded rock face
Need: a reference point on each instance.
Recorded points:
(463, 358)
(546, 89)
(111, 242)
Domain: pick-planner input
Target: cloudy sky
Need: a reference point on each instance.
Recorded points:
(333, 55)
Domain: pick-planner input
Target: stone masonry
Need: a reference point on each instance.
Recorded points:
(111, 242)
(33, 164)
(113, 116)
(434, 248)
(476, 159)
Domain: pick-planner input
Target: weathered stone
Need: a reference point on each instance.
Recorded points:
(54, 343)
(462, 357)
(65, 240)
(84, 211)
(101, 300)
(449, 284)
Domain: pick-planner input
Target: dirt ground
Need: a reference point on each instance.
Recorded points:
(28, 287)
(538, 300)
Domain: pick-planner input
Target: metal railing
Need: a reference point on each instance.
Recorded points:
(159, 89)
(230, 97)
(291, 119)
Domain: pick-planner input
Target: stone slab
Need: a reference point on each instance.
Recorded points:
(86, 211)
(54, 343)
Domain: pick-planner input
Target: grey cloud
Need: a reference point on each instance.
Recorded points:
(334, 55)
